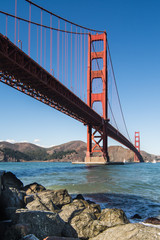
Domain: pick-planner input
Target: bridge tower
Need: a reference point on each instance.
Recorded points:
(97, 141)
(137, 145)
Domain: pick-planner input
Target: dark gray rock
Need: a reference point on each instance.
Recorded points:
(40, 223)
(10, 180)
(136, 216)
(30, 237)
(13, 197)
(153, 220)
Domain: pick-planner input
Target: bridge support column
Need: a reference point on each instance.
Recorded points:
(97, 140)
(137, 145)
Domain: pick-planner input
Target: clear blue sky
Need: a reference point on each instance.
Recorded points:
(133, 28)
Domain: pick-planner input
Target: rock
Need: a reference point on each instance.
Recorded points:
(33, 188)
(30, 237)
(29, 198)
(152, 220)
(40, 223)
(43, 204)
(136, 216)
(49, 200)
(58, 197)
(79, 196)
(77, 206)
(4, 226)
(23, 229)
(12, 233)
(82, 222)
(113, 217)
(129, 231)
(69, 231)
(13, 197)
(60, 238)
(71, 210)
(9, 212)
(1, 175)
(10, 180)
(81, 215)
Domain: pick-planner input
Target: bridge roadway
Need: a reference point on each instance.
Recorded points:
(21, 72)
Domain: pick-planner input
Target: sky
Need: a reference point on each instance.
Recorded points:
(133, 31)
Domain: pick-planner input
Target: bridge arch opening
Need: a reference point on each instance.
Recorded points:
(97, 64)
(97, 85)
(97, 46)
(97, 107)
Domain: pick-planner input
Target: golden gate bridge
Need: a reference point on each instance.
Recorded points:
(69, 68)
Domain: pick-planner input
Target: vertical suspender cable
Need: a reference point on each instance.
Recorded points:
(62, 56)
(76, 62)
(37, 44)
(18, 30)
(45, 48)
(71, 56)
(50, 44)
(6, 24)
(67, 60)
(81, 64)
(15, 22)
(29, 30)
(41, 42)
(78, 86)
(65, 56)
(84, 72)
(58, 49)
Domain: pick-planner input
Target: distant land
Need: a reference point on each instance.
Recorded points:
(67, 152)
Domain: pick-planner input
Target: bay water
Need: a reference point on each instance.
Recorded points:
(135, 188)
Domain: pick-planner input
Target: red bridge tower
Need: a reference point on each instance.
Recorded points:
(97, 141)
(137, 145)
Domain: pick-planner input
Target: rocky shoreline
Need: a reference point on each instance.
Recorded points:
(31, 212)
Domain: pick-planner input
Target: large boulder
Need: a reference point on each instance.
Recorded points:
(113, 217)
(49, 200)
(42, 204)
(81, 216)
(77, 206)
(86, 224)
(12, 197)
(39, 223)
(33, 188)
(10, 180)
(129, 231)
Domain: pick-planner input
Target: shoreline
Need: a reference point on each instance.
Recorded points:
(33, 209)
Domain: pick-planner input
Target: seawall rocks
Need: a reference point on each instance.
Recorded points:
(31, 212)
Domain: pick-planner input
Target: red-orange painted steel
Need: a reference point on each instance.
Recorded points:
(137, 145)
(97, 97)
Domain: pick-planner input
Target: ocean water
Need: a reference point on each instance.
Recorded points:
(135, 188)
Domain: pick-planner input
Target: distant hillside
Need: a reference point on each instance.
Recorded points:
(71, 151)
(29, 152)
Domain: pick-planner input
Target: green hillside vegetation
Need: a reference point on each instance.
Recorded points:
(39, 154)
